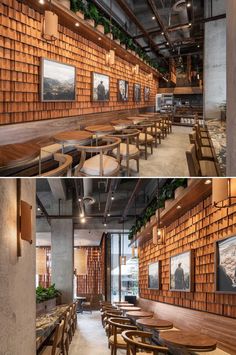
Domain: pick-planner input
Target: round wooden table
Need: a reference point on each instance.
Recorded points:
(14, 155)
(154, 323)
(183, 339)
(72, 137)
(127, 309)
(121, 122)
(100, 129)
(139, 314)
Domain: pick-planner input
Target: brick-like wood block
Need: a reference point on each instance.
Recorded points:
(197, 230)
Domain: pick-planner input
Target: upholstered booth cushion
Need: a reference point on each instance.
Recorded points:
(92, 165)
(206, 152)
(208, 168)
(142, 137)
(120, 340)
(123, 149)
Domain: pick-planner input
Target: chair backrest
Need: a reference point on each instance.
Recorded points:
(58, 336)
(65, 163)
(115, 324)
(133, 343)
(193, 164)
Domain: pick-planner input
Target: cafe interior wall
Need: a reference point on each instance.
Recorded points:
(17, 274)
(22, 48)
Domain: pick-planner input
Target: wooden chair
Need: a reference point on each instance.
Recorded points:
(116, 326)
(129, 147)
(156, 131)
(100, 164)
(108, 315)
(87, 305)
(55, 348)
(141, 347)
(202, 167)
(145, 138)
(65, 164)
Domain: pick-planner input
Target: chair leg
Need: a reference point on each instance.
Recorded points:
(146, 151)
(137, 161)
(127, 165)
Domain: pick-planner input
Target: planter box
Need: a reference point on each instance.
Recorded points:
(178, 191)
(46, 306)
(65, 3)
(109, 35)
(168, 203)
(100, 28)
(117, 41)
(123, 46)
(91, 22)
(133, 52)
(80, 15)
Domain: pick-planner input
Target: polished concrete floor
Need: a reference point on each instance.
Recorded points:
(169, 158)
(90, 338)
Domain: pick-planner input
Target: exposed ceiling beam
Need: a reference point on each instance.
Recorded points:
(58, 188)
(112, 188)
(43, 210)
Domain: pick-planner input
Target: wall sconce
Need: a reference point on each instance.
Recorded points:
(24, 220)
(110, 57)
(50, 26)
(223, 192)
(134, 251)
(135, 69)
(158, 235)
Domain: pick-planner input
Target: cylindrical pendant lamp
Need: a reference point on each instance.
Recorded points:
(223, 192)
(50, 32)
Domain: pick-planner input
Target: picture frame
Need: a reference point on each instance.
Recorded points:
(154, 276)
(58, 81)
(137, 93)
(146, 93)
(181, 272)
(122, 90)
(225, 265)
(100, 91)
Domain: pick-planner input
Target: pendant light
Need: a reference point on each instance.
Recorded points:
(50, 26)
(110, 56)
(223, 192)
(158, 232)
(123, 257)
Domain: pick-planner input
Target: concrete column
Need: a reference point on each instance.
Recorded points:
(214, 60)
(63, 257)
(231, 88)
(17, 274)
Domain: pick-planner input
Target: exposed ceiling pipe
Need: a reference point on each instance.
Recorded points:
(88, 194)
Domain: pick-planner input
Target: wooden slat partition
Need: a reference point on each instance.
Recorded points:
(22, 46)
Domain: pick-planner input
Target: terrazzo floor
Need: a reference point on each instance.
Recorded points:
(168, 159)
(90, 338)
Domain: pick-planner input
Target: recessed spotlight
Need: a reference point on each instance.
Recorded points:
(108, 215)
(38, 209)
(104, 224)
(178, 207)
(167, 43)
(112, 197)
(82, 215)
(198, 45)
(162, 33)
(153, 17)
(188, 4)
(189, 24)
(79, 199)
(99, 38)
(77, 24)
(208, 182)
(42, 2)
(83, 220)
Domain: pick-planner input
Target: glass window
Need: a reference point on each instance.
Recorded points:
(115, 267)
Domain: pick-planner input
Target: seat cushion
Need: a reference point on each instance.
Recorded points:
(92, 165)
(208, 168)
(120, 340)
(123, 149)
(206, 152)
(142, 137)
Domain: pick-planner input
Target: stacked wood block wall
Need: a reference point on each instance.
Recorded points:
(92, 282)
(22, 46)
(45, 280)
(197, 230)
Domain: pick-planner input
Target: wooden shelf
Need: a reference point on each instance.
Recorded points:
(68, 19)
(188, 198)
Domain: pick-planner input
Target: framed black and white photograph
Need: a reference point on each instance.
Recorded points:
(58, 81)
(154, 276)
(100, 87)
(123, 90)
(181, 272)
(146, 94)
(225, 265)
(137, 92)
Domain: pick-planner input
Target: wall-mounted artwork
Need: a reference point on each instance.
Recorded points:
(225, 254)
(58, 81)
(181, 272)
(146, 94)
(100, 87)
(137, 92)
(154, 276)
(123, 90)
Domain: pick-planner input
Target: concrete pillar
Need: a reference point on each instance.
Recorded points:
(231, 87)
(214, 61)
(63, 257)
(17, 274)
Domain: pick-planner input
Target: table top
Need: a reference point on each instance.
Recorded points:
(73, 137)
(189, 340)
(13, 155)
(46, 323)
(139, 314)
(100, 128)
(129, 308)
(155, 323)
(120, 122)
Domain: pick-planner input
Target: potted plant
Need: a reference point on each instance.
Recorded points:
(78, 7)
(46, 298)
(92, 15)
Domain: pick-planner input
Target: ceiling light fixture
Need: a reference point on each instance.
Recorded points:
(42, 2)
(178, 207)
(83, 220)
(153, 17)
(108, 215)
(112, 196)
(77, 24)
(223, 192)
(188, 4)
(208, 182)
(158, 231)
